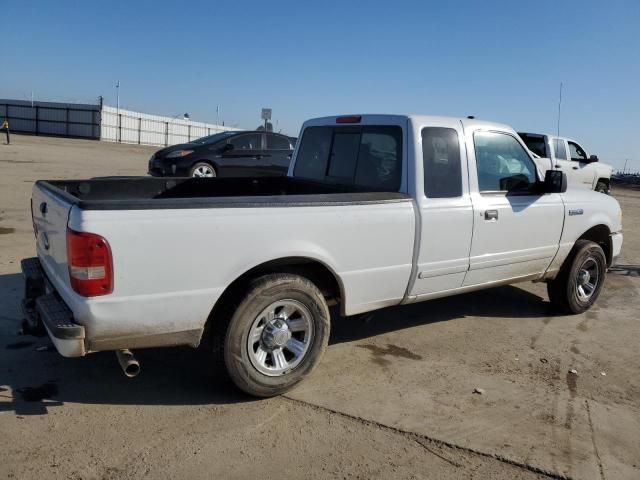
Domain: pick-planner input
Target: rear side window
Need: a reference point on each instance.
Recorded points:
(276, 142)
(559, 149)
(368, 157)
(441, 159)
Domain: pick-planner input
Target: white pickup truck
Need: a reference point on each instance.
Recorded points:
(565, 154)
(377, 210)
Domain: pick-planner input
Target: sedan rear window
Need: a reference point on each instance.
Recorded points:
(368, 157)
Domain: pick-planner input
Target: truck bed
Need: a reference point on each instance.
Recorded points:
(142, 193)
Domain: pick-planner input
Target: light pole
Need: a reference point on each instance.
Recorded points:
(185, 116)
(118, 109)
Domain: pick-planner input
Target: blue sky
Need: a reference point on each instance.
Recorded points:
(500, 60)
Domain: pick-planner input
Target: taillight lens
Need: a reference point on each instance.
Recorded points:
(90, 263)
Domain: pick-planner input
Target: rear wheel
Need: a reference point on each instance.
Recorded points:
(275, 336)
(580, 280)
(203, 170)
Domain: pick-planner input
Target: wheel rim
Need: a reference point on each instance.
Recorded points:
(280, 337)
(204, 171)
(587, 279)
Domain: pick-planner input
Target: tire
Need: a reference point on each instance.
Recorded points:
(602, 188)
(203, 170)
(569, 291)
(276, 335)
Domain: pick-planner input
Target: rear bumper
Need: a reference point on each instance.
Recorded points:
(43, 306)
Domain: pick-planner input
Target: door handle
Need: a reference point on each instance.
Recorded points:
(491, 215)
(575, 168)
(557, 166)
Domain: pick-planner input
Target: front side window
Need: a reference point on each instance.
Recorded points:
(441, 159)
(368, 157)
(251, 141)
(503, 164)
(577, 153)
(559, 148)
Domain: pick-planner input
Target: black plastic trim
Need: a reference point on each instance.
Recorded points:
(180, 193)
(48, 308)
(58, 318)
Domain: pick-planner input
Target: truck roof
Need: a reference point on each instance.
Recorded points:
(376, 118)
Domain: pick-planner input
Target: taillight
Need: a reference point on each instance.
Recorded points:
(90, 263)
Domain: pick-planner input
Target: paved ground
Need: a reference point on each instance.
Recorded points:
(392, 398)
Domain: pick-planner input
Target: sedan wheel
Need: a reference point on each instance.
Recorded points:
(203, 170)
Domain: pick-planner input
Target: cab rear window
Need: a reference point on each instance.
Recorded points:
(368, 156)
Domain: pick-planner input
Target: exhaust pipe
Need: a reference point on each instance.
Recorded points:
(130, 366)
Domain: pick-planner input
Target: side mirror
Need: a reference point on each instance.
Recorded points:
(227, 148)
(593, 158)
(555, 181)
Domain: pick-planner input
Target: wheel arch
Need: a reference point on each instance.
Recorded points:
(606, 181)
(314, 270)
(601, 235)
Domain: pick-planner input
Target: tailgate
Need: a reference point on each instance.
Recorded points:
(50, 216)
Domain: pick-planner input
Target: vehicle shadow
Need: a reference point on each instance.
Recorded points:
(34, 378)
(626, 270)
(507, 301)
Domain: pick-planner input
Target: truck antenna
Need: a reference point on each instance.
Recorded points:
(559, 107)
(556, 142)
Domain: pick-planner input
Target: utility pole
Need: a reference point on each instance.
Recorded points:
(624, 170)
(118, 97)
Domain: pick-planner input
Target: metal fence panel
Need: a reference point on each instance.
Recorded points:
(102, 122)
(52, 118)
(126, 126)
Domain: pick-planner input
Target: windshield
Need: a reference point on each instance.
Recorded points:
(213, 138)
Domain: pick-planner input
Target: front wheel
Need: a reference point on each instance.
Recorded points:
(602, 187)
(580, 280)
(276, 336)
(203, 170)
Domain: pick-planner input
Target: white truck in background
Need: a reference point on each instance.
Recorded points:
(377, 210)
(567, 155)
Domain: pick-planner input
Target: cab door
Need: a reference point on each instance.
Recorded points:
(244, 157)
(445, 209)
(516, 232)
(278, 153)
(568, 161)
(580, 165)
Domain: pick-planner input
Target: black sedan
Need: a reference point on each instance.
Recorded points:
(226, 154)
